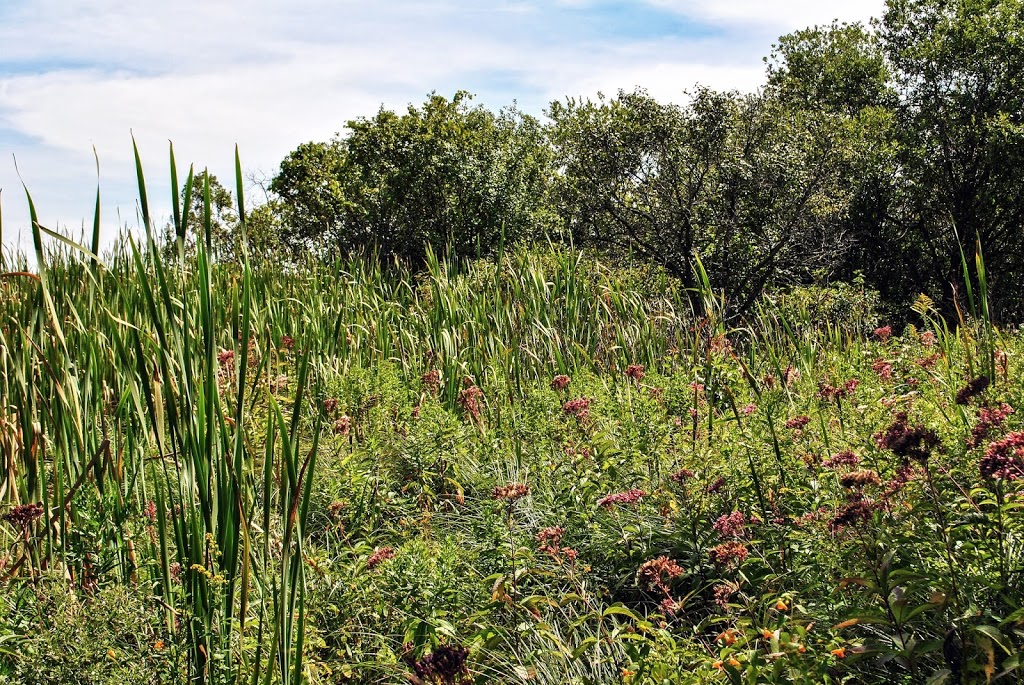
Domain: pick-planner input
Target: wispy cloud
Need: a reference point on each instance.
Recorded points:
(270, 75)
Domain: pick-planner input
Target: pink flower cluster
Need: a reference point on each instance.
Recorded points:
(731, 525)
(635, 371)
(883, 369)
(469, 400)
(988, 419)
(621, 498)
(883, 333)
(842, 392)
(379, 556)
(729, 554)
(560, 382)
(579, 407)
(844, 458)
(1004, 458)
(798, 422)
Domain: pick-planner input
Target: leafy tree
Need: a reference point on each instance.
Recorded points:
(959, 70)
(836, 68)
(445, 174)
(752, 187)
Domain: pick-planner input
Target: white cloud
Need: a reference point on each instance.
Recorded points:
(780, 16)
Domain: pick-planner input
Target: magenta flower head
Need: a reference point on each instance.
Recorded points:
(626, 498)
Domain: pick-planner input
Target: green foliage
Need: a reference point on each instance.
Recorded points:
(755, 189)
(456, 177)
(112, 637)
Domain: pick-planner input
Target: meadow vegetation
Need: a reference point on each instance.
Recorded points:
(718, 392)
(536, 468)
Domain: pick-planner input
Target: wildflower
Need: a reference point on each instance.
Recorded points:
(903, 476)
(330, 404)
(831, 392)
(635, 371)
(928, 338)
(729, 637)
(988, 419)
(560, 382)
(791, 375)
(697, 387)
(446, 665)
(621, 498)
(550, 540)
(579, 407)
(150, 511)
(511, 492)
(718, 664)
(883, 333)
(681, 476)
(720, 345)
(883, 369)
(716, 485)
(342, 426)
(380, 555)
(768, 381)
(798, 422)
(24, 515)
(731, 525)
(279, 384)
(767, 634)
(431, 381)
(913, 442)
(722, 593)
(973, 388)
(802, 648)
(734, 662)
(857, 510)
(781, 606)
(226, 357)
(928, 361)
(469, 400)
(287, 342)
(729, 554)
(844, 458)
(655, 574)
(1004, 458)
(859, 479)
(839, 653)
(158, 645)
(749, 409)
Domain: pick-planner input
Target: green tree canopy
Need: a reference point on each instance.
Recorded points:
(445, 174)
(753, 188)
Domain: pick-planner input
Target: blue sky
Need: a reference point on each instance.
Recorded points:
(269, 75)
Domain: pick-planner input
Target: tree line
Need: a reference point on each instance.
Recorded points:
(884, 151)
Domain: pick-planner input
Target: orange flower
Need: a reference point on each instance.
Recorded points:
(767, 634)
(733, 662)
(839, 653)
(728, 637)
(159, 645)
(801, 648)
(781, 606)
(718, 665)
